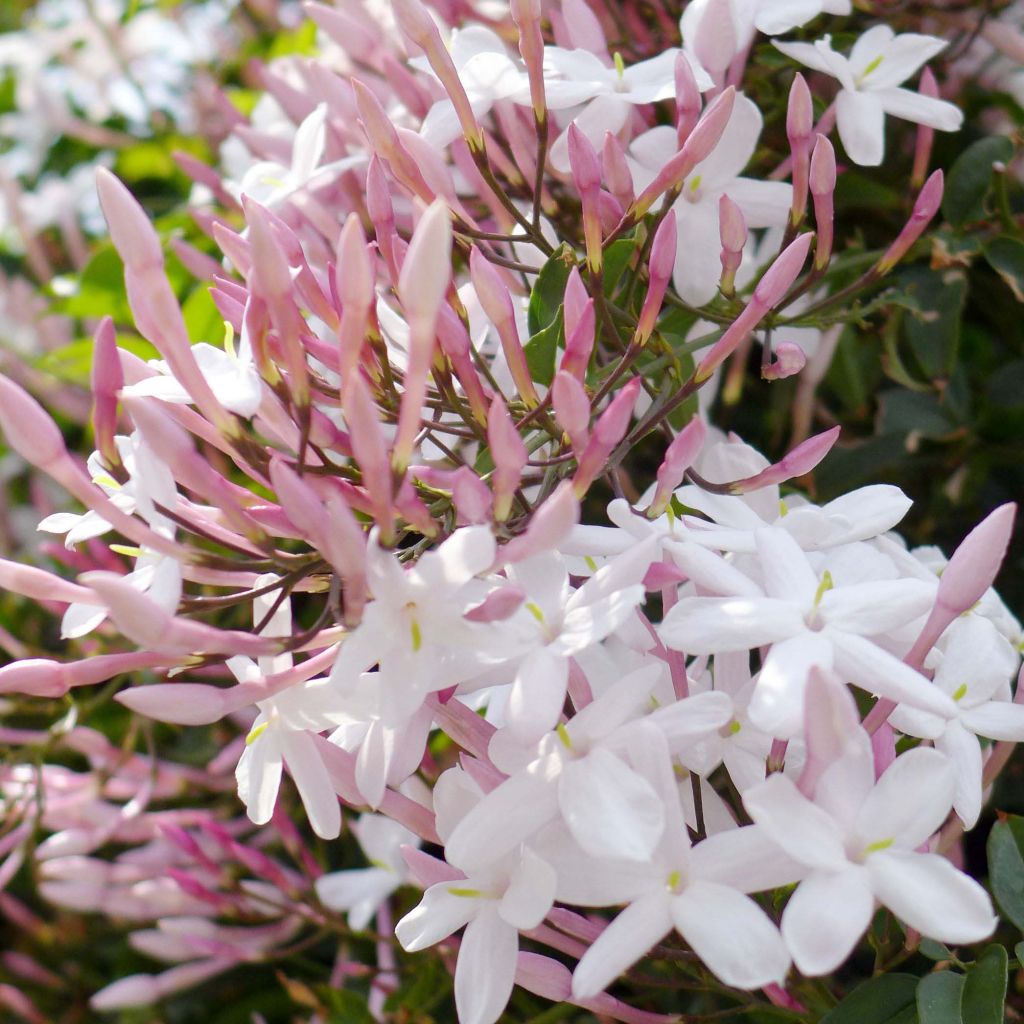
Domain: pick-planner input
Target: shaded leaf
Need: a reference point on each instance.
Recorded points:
(939, 998)
(886, 999)
(1006, 257)
(985, 988)
(549, 290)
(970, 179)
(1006, 867)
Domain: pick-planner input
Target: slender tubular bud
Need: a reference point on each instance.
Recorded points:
(617, 175)
(699, 145)
(418, 25)
(496, 300)
(579, 345)
(548, 527)
(660, 267)
(572, 409)
(927, 205)
(802, 459)
(770, 290)
(575, 300)
(925, 135)
(799, 125)
(509, 455)
(382, 214)
(527, 16)
(733, 230)
(679, 456)
(370, 452)
(107, 381)
(422, 286)
(688, 101)
(609, 430)
(353, 277)
(822, 182)
(586, 175)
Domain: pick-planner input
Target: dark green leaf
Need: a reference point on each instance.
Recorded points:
(934, 950)
(932, 328)
(985, 988)
(887, 999)
(427, 986)
(616, 259)
(1006, 867)
(346, 1006)
(939, 998)
(1006, 257)
(970, 179)
(1018, 952)
(549, 290)
(542, 350)
(915, 415)
(100, 289)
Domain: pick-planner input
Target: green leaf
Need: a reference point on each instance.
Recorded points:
(1006, 257)
(549, 290)
(1006, 867)
(100, 289)
(202, 318)
(887, 999)
(970, 179)
(932, 326)
(914, 415)
(427, 986)
(935, 950)
(346, 1006)
(542, 349)
(939, 998)
(985, 987)
(616, 258)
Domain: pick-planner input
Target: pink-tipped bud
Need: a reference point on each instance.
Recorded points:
(714, 38)
(370, 452)
(779, 277)
(586, 175)
(353, 281)
(584, 27)
(802, 459)
(679, 456)
(549, 526)
(660, 268)
(973, 567)
(130, 230)
(178, 703)
(700, 144)
(107, 381)
(509, 455)
(496, 301)
(572, 409)
(426, 271)
(928, 201)
(823, 185)
(799, 125)
(575, 301)
(733, 231)
(527, 16)
(789, 360)
(28, 428)
(384, 141)
(925, 135)
(688, 101)
(579, 344)
(832, 728)
(498, 606)
(617, 174)
(609, 430)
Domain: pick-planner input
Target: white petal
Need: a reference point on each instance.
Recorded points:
(860, 119)
(537, 695)
(711, 625)
(486, 968)
(826, 917)
(530, 892)
(787, 573)
(745, 859)
(871, 48)
(610, 809)
(259, 776)
(926, 110)
(310, 776)
(777, 703)
(782, 15)
(996, 720)
(805, 53)
(435, 917)
(901, 58)
(697, 267)
(964, 753)
(686, 720)
(880, 606)
(929, 894)
(621, 944)
(590, 623)
(765, 204)
(359, 891)
(910, 801)
(731, 934)
(803, 830)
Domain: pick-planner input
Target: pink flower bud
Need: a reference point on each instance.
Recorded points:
(146, 989)
(498, 606)
(353, 277)
(925, 135)
(609, 430)
(133, 236)
(370, 451)
(661, 265)
(789, 359)
(832, 727)
(926, 206)
(973, 567)
(585, 31)
(688, 101)
(802, 459)
(714, 39)
(700, 144)
(575, 300)
(586, 175)
(679, 456)
(548, 527)
(527, 16)
(733, 230)
(107, 381)
(799, 125)
(616, 170)
(579, 344)
(178, 703)
(28, 428)
(823, 186)
(572, 409)
(509, 455)
(38, 584)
